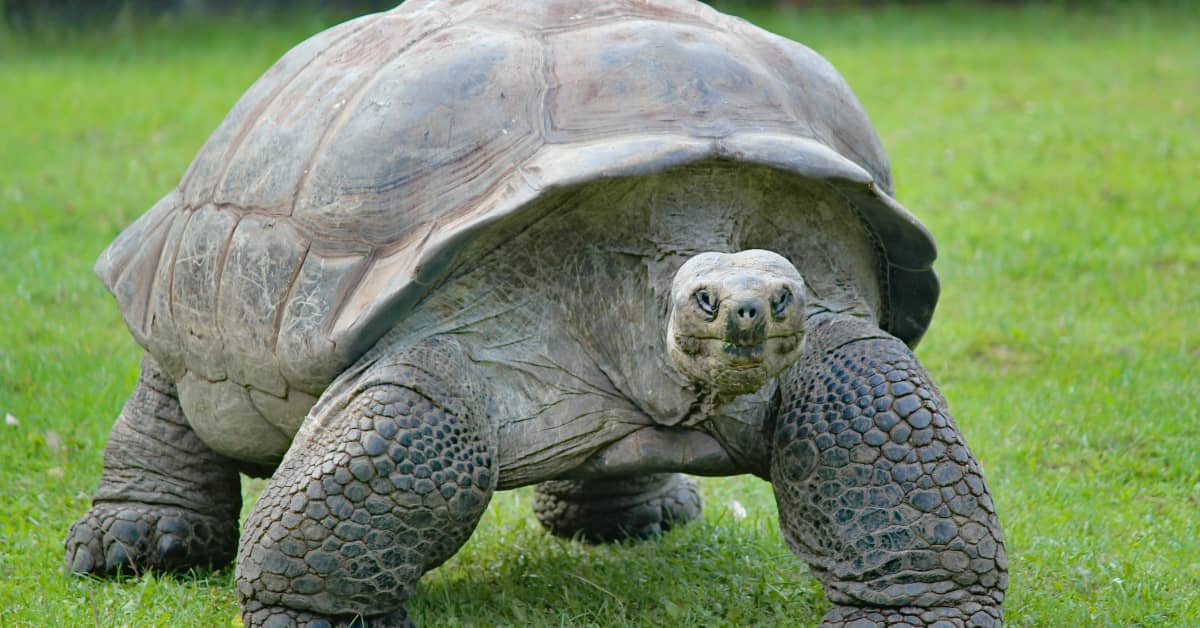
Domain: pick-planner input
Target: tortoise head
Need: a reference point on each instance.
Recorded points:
(736, 320)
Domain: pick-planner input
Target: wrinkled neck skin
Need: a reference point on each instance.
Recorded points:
(566, 317)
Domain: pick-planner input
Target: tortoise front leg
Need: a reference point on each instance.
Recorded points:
(385, 481)
(877, 490)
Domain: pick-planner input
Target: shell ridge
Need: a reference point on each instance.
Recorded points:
(544, 73)
(287, 298)
(260, 210)
(349, 283)
(911, 269)
(882, 178)
(804, 59)
(420, 252)
(624, 16)
(629, 155)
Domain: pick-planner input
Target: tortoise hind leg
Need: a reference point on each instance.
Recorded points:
(613, 509)
(387, 478)
(166, 500)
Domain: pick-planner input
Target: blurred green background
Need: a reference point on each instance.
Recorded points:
(1052, 149)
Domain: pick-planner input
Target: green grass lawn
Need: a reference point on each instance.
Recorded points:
(1054, 153)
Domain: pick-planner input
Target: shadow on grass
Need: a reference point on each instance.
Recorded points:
(707, 573)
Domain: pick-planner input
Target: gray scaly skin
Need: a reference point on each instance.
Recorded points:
(387, 482)
(877, 490)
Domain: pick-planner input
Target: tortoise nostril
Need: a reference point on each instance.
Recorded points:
(746, 324)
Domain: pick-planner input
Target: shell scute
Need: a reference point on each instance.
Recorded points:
(633, 77)
(238, 430)
(128, 265)
(195, 282)
(439, 125)
(162, 336)
(212, 162)
(821, 100)
(272, 163)
(285, 413)
(307, 358)
(264, 255)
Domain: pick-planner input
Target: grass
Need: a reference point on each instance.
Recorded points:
(1052, 151)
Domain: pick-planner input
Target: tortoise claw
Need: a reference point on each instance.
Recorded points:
(114, 538)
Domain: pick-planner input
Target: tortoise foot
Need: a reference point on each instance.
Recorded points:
(969, 615)
(600, 511)
(115, 537)
(256, 615)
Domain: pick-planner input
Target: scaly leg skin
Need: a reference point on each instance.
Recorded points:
(166, 501)
(385, 482)
(877, 490)
(614, 509)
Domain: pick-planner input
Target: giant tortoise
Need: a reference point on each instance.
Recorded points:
(464, 246)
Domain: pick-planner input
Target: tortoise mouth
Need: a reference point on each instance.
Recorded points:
(742, 357)
(731, 367)
(740, 354)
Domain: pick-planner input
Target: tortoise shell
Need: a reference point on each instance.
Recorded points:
(346, 181)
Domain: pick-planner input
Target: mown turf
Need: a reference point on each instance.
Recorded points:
(1053, 153)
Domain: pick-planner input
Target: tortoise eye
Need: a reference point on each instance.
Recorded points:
(780, 303)
(707, 303)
